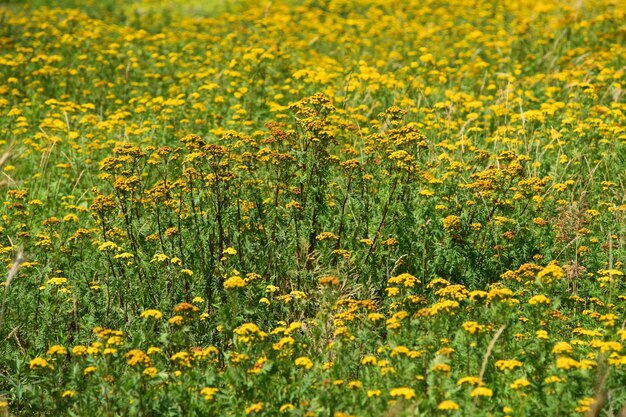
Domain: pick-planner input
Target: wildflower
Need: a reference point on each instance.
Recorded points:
(451, 223)
(447, 405)
(230, 251)
(472, 327)
(562, 347)
(271, 289)
(368, 360)
(553, 379)
(373, 393)
(56, 281)
(156, 314)
(79, 350)
(584, 405)
(481, 392)
(150, 371)
(89, 370)
(510, 364)
(471, 380)
(539, 299)
(304, 362)
(286, 407)
(551, 272)
(407, 280)
(405, 392)
(68, 393)
(355, 384)
(329, 280)
(254, 408)
(159, 257)
(40, 363)
(56, 350)
(375, 316)
(442, 367)
(326, 236)
(234, 282)
(209, 392)
(519, 383)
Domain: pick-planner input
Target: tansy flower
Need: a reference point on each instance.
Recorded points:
(234, 282)
(405, 392)
(519, 383)
(89, 370)
(254, 408)
(510, 364)
(155, 314)
(481, 392)
(448, 405)
(584, 405)
(286, 407)
(56, 350)
(40, 363)
(208, 393)
(471, 380)
(561, 347)
(539, 299)
(304, 362)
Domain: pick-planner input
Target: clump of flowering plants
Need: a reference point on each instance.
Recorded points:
(337, 209)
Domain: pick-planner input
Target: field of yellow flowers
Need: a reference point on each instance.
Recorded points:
(313, 208)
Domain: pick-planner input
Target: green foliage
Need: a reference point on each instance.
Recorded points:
(320, 209)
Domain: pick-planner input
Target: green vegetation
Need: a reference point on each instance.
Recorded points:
(328, 208)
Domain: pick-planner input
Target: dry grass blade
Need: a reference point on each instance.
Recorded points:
(488, 352)
(12, 273)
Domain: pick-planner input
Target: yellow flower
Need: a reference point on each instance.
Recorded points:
(230, 251)
(151, 371)
(562, 347)
(156, 314)
(68, 393)
(89, 370)
(509, 364)
(551, 272)
(471, 380)
(355, 384)
(56, 350)
(209, 392)
(234, 282)
(447, 405)
(441, 367)
(539, 299)
(519, 383)
(451, 223)
(286, 407)
(373, 393)
(481, 392)
(584, 405)
(304, 362)
(40, 363)
(368, 360)
(553, 379)
(254, 408)
(405, 392)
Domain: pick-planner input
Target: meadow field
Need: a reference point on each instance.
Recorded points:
(313, 208)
